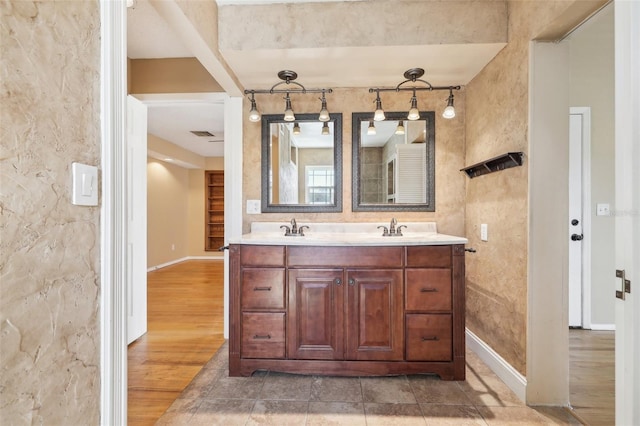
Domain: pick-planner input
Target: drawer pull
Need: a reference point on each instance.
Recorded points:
(262, 289)
(258, 336)
(430, 338)
(428, 290)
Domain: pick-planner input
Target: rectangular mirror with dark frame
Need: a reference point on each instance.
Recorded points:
(393, 162)
(301, 164)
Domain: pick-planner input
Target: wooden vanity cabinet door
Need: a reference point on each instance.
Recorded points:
(316, 314)
(375, 326)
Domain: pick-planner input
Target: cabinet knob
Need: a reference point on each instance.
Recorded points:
(352, 281)
(338, 281)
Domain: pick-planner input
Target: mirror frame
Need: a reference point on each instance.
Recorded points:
(430, 206)
(267, 120)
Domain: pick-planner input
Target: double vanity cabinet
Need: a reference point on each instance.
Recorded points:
(381, 309)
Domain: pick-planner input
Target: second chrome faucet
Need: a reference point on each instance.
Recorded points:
(392, 231)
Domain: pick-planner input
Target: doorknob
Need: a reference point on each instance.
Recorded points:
(576, 237)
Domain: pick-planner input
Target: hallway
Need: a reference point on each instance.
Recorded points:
(185, 323)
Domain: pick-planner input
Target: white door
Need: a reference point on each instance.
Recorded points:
(627, 210)
(137, 218)
(579, 222)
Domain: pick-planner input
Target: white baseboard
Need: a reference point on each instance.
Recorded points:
(603, 327)
(182, 259)
(509, 375)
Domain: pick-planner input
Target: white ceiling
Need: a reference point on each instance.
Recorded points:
(149, 36)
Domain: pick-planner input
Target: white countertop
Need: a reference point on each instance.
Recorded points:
(347, 234)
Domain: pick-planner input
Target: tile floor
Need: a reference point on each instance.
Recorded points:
(269, 398)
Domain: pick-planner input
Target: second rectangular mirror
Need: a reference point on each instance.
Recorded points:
(393, 162)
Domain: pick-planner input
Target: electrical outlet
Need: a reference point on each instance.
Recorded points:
(603, 210)
(484, 232)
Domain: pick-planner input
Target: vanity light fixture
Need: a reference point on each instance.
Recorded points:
(371, 130)
(379, 114)
(400, 128)
(449, 112)
(413, 76)
(291, 86)
(288, 111)
(324, 113)
(254, 114)
(325, 129)
(414, 114)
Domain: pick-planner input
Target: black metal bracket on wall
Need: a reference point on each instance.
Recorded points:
(501, 162)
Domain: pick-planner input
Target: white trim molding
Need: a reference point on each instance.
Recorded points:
(603, 327)
(505, 371)
(182, 259)
(113, 214)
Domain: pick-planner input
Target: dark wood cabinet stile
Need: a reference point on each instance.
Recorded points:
(347, 311)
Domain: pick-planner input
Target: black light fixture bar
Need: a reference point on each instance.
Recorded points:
(288, 78)
(413, 76)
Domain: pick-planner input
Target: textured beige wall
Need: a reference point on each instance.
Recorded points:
(167, 212)
(173, 75)
(450, 182)
(592, 85)
(50, 249)
(497, 122)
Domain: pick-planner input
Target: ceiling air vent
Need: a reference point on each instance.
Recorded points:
(202, 133)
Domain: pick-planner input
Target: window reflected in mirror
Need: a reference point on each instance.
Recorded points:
(301, 164)
(393, 162)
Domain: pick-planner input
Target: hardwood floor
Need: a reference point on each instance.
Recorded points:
(592, 375)
(185, 326)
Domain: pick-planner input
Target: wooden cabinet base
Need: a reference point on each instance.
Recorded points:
(446, 370)
(347, 311)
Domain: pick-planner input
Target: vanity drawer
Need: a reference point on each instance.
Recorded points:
(428, 290)
(262, 255)
(263, 335)
(428, 337)
(429, 256)
(332, 257)
(263, 288)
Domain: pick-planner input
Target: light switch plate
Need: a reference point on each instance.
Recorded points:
(84, 187)
(253, 206)
(484, 232)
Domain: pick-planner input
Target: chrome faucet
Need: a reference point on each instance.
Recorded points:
(392, 231)
(294, 230)
(392, 227)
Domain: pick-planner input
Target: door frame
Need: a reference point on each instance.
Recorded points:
(113, 213)
(585, 113)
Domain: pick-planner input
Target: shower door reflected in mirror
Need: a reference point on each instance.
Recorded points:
(301, 164)
(393, 162)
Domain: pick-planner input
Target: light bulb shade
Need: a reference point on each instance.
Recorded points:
(324, 113)
(371, 130)
(400, 128)
(414, 114)
(325, 129)
(288, 111)
(449, 112)
(379, 114)
(254, 114)
(296, 128)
